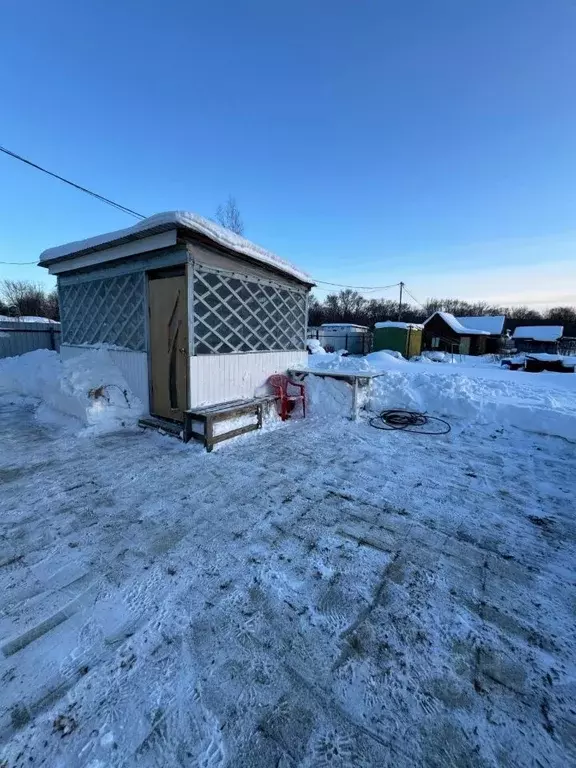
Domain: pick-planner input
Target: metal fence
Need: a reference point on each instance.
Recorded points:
(16, 338)
(353, 343)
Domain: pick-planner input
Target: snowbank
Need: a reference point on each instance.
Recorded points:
(509, 403)
(479, 392)
(88, 387)
(315, 347)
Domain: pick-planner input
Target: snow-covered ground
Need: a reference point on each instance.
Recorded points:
(478, 389)
(321, 594)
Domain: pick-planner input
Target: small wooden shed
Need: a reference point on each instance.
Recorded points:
(444, 332)
(405, 338)
(191, 313)
(537, 338)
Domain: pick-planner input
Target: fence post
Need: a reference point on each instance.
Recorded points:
(52, 339)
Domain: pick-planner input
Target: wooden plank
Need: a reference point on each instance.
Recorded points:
(229, 435)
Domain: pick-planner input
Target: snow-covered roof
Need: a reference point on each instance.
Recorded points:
(538, 332)
(27, 319)
(344, 325)
(457, 326)
(493, 324)
(398, 324)
(162, 222)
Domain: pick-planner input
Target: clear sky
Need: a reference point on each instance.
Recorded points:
(432, 141)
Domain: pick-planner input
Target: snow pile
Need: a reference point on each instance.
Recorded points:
(479, 391)
(436, 356)
(335, 361)
(315, 347)
(375, 362)
(328, 398)
(385, 359)
(88, 387)
(503, 402)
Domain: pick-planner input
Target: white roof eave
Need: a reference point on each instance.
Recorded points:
(163, 222)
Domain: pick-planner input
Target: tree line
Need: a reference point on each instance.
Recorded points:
(350, 306)
(22, 297)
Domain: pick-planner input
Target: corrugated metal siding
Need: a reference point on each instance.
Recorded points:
(18, 338)
(133, 365)
(220, 378)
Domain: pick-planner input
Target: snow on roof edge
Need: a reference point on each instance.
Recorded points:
(493, 324)
(398, 324)
(538, 332)
(456, 326)
(186, 220)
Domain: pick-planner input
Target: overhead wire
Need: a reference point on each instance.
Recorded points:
(102, 199)
(358, 287)
(413, 297)
(131, 212)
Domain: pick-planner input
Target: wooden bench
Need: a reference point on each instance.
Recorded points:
(199, 422)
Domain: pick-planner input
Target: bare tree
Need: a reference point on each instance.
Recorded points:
(22, 297)
(229, 216)
(351, 307)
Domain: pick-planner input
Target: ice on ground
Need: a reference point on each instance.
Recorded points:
(88, 388)
(324, 594)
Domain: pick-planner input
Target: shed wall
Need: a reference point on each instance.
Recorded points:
(211, 257)
(108, 305)
(221, 378)
(390, 338)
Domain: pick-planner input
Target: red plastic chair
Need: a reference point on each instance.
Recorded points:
(280, 383)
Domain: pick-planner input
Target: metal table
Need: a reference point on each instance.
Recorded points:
(352, 377)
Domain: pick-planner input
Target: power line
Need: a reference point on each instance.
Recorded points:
(131, 212)
(413, 297)
(102, 199)
(358, 287)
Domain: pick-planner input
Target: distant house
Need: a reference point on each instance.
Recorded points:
(444, 332)
(537, 338)
(492, 324)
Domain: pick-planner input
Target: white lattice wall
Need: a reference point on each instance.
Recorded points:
(235, 313)
(105, 311)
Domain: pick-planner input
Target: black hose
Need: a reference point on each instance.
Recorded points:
(410, 421)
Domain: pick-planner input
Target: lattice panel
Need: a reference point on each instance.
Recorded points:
(235, 314)
(109, 311)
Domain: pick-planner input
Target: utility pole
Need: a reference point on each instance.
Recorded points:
(400, 301)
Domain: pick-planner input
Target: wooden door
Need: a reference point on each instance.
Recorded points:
(168, 317)
(464, 345)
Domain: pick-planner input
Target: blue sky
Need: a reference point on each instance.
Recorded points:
(432, 141)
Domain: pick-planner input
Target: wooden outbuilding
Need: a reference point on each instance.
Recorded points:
(444, 332)
(192, 314)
